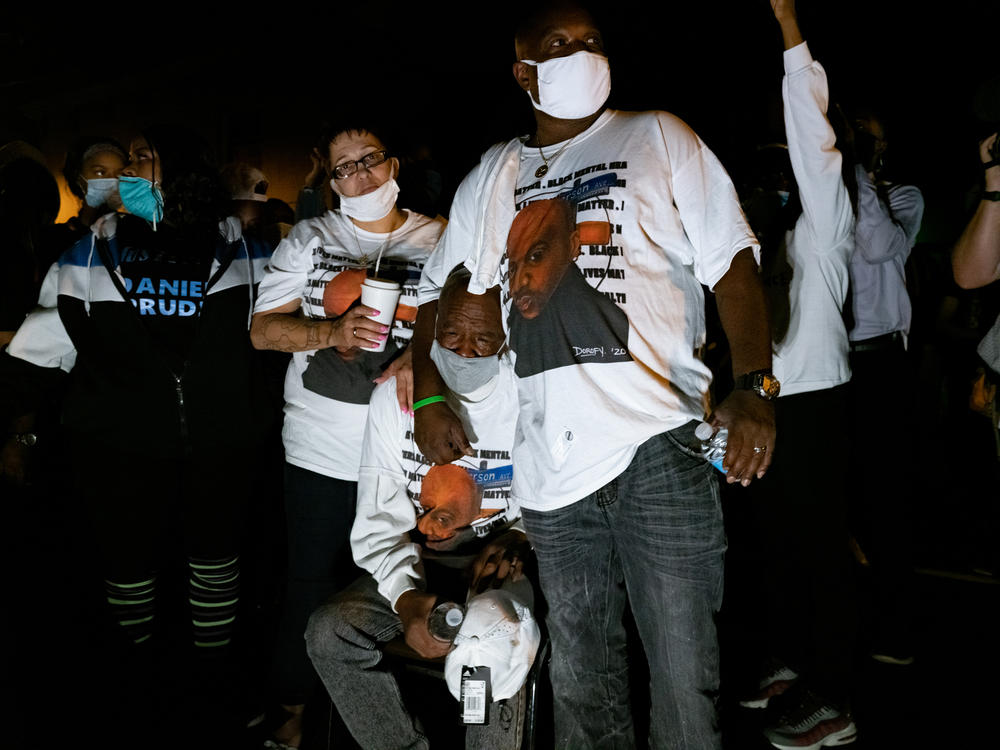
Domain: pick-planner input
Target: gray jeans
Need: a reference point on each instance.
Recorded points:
(343, 640)
(653, 538)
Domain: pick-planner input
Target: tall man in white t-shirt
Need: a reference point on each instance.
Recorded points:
(615, 503)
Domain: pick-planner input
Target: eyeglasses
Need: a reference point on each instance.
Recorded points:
(368, 161)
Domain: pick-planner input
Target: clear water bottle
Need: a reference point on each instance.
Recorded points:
(445, 620)
(712, 444)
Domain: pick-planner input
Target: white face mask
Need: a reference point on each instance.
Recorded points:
(102, 191)
(371, 206)
(572, 87)
(464, 375)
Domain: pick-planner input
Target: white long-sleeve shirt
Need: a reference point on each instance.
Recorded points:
(813, 355)
(886, 234)
(392, 470)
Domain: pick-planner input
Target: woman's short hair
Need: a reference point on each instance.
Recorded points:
(82, 149)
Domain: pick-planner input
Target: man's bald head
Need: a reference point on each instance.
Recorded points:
(542, 243)
(451, 500)
(557, 213)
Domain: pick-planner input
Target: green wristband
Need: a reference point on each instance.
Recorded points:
(426, 401)
(991, 195)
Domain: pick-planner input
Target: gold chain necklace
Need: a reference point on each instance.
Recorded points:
(544, 169)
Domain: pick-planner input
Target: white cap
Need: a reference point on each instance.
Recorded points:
(498, 632)
(245, 182)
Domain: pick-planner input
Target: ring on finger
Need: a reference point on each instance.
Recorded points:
(355, 334)
(759, 448)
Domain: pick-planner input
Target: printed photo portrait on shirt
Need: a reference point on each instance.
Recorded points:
(556, 317)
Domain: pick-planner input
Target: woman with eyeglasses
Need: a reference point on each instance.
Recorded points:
(150, 312)
(309, 305)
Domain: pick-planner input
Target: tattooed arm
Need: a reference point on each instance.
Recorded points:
(285, 329)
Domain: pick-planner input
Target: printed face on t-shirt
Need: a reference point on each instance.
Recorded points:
(543, 241)
(451, 502)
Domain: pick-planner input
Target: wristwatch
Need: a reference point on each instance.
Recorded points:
(761, 382)
(26, 438)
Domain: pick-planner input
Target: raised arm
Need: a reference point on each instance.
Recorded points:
(975, 259)
(886, 230)
(784, 13)
(816, 161)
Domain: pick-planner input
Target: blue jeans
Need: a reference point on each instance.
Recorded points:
(653, 536)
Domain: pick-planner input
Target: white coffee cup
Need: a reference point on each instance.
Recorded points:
(383, 295)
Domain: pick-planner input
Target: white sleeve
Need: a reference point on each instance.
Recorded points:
(42, 339)
(906, 203)
(885, 231)
(287, 272)
(816, 162)
(707, 203)
(380, 538)
(457, 241)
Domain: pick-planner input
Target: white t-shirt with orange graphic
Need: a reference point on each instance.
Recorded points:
(322, 262)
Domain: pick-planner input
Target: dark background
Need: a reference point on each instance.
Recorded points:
(259, 82)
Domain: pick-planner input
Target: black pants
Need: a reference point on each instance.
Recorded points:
(801, 512)
(144, 507)
(883, 426)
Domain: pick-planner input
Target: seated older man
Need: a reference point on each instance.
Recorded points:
(425, 533)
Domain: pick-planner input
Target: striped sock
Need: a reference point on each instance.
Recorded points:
(132, 605)
(214, 590)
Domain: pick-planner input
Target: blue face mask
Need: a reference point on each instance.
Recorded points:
(101, 191)
(140, 197)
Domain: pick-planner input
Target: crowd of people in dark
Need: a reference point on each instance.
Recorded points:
(273, 445)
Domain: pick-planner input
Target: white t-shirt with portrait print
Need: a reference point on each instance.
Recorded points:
(322, 263)
(596, 380)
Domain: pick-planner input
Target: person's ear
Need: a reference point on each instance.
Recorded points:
(523, 75)
(574, 246)
(395, 164)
